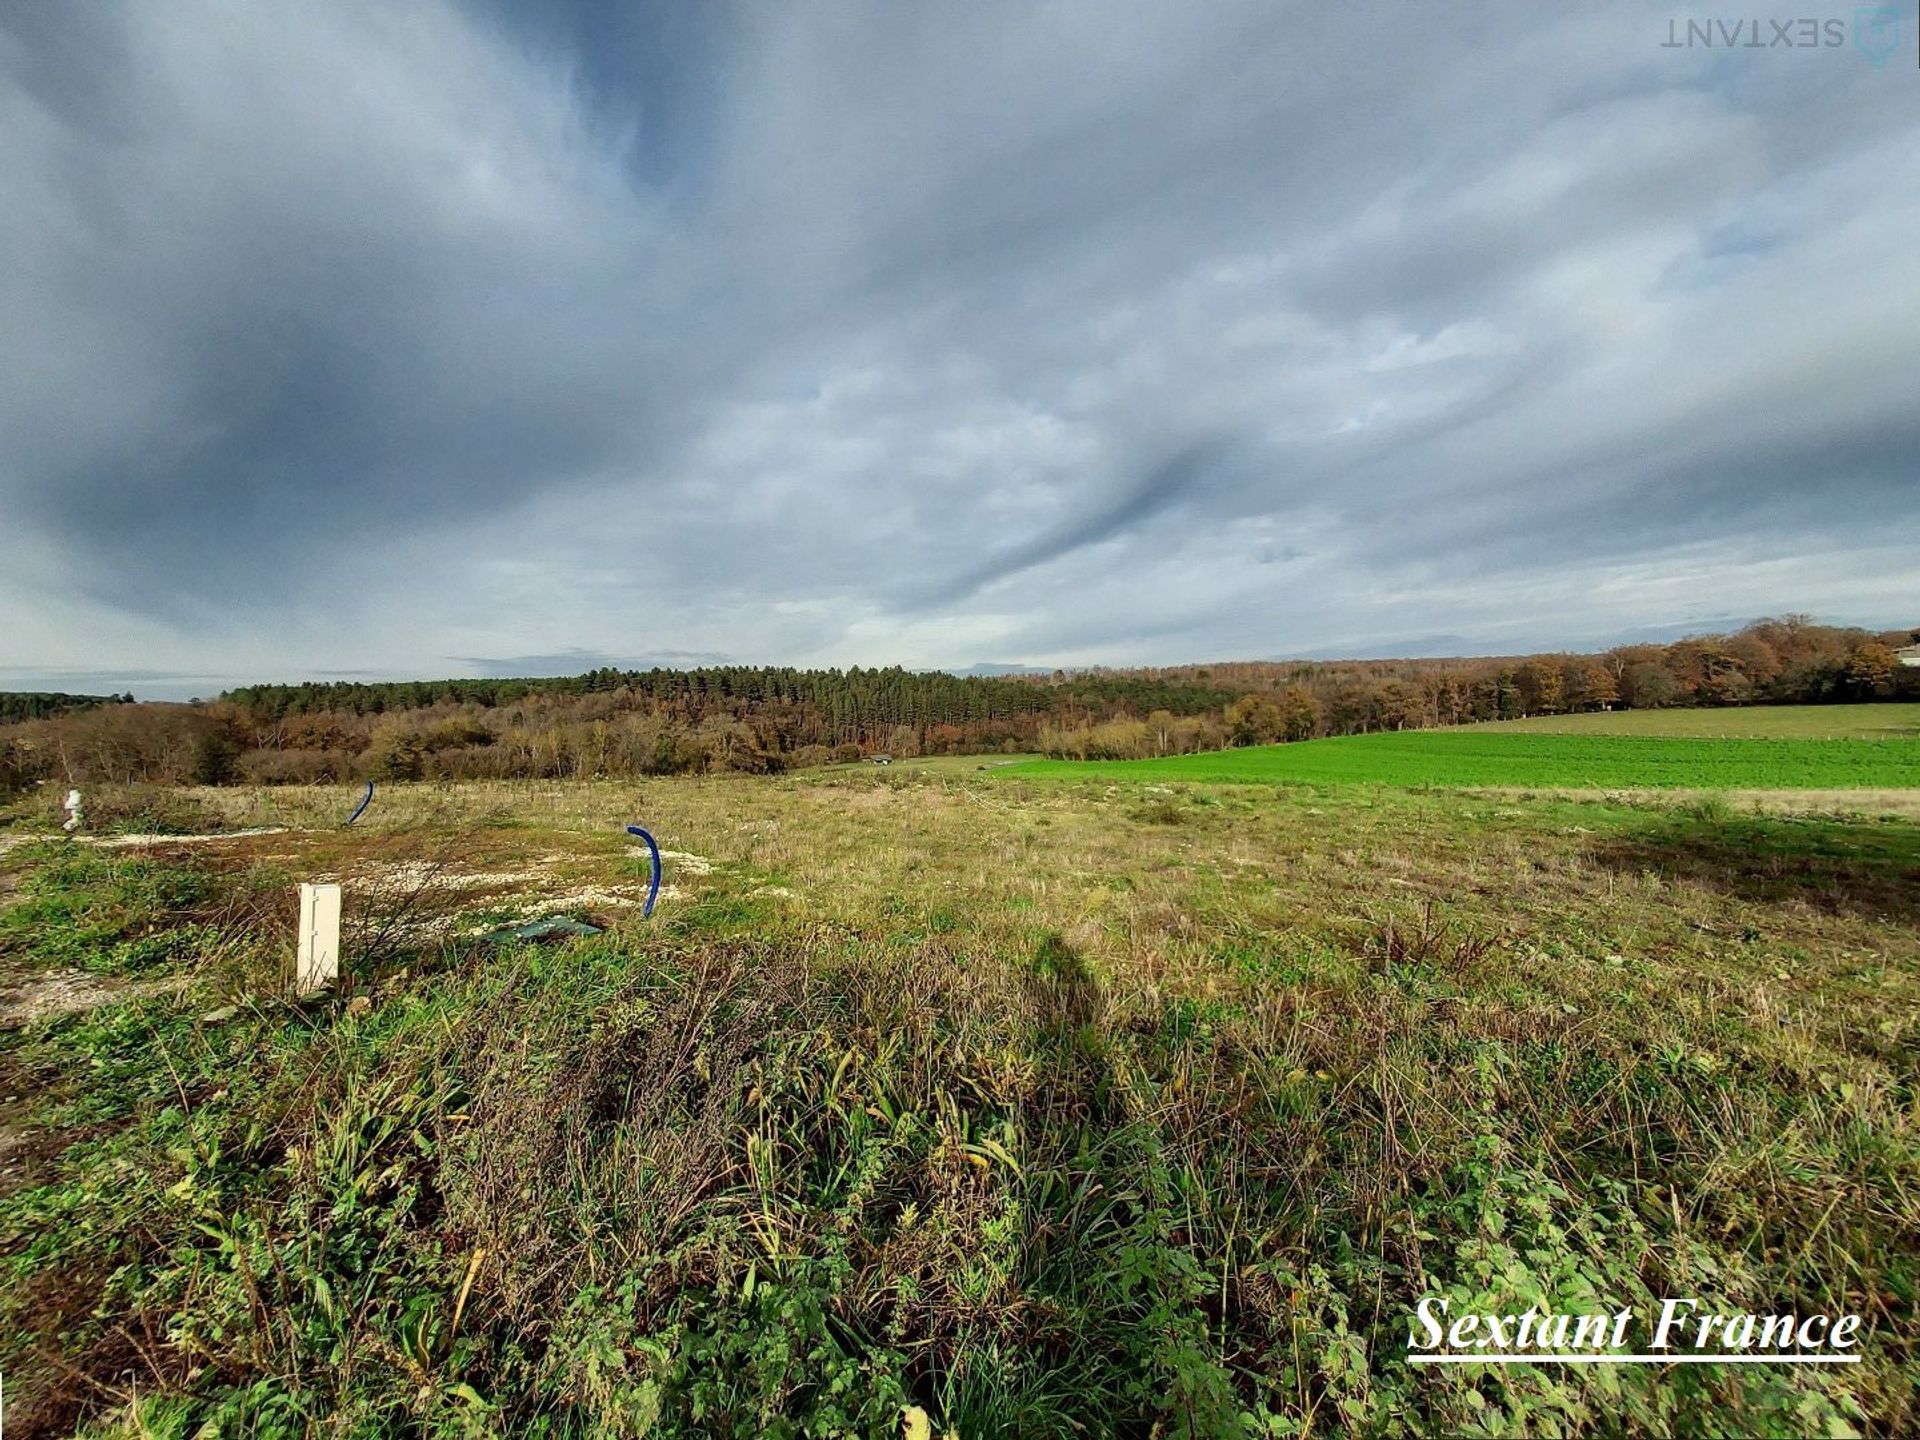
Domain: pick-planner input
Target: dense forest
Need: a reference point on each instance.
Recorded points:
(45, 704)
(762, 719)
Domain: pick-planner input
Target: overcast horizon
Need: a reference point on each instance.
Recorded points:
(363, 341)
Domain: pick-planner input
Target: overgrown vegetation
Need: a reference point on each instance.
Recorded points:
(1045, 1110)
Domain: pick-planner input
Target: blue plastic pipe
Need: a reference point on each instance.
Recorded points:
(361, 809)
(653, 891)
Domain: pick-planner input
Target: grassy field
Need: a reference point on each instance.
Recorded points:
(1045, 1110)
(1754, 722)
(1570, 756)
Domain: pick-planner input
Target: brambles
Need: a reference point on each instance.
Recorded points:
(1163, 811)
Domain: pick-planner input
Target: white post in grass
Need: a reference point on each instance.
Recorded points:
(319, 962)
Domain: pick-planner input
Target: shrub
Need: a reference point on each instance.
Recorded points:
(292, 767)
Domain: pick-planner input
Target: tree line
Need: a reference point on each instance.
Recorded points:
(16, 705)
(760, 719)
(1785, 660)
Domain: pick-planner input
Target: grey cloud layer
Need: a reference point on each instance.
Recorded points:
(364, 335)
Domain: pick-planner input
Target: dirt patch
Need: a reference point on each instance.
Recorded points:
(27, 998)
(692, 864)
(127, 842)
(585, 900)
(417, 875)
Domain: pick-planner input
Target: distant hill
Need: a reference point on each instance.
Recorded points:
(989, 669)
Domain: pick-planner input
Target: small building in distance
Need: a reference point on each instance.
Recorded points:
(1908, 654)
(888, 759)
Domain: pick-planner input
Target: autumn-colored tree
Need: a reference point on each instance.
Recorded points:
(1161, 726)
(1649, 685)
(1353, 707)
(1541, 687)
(1254, 720)
(396, 754)
(1727, 685)
(1756, 659)
(1452, 699)
(1502, 693)
(1870, 668)
(1589, 685)
(1300, 713)
(1403, 706)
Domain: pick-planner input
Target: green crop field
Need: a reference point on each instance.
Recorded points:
(1759, 722)
(1507, 756)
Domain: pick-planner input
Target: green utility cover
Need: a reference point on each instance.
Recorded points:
(550, 927)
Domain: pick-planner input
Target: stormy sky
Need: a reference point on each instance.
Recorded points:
(429, 338)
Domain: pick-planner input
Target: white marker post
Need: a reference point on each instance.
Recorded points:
(319, 962)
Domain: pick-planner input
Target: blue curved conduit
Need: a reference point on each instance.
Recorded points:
(361, 809)
(653, 891)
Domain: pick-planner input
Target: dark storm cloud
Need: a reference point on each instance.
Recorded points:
(1151, 496)
(332, 324)
(358, 336)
